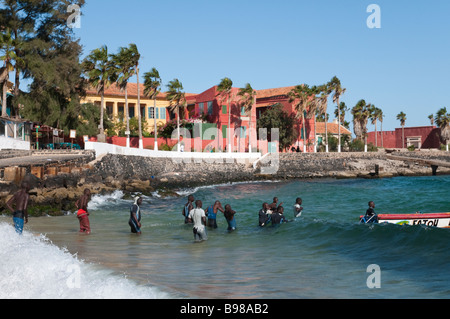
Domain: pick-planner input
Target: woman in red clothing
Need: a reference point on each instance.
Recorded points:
(83, 214)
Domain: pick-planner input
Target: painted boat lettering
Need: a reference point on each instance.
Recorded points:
(427, 222)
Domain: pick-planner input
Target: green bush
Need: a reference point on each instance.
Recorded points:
(356, 146)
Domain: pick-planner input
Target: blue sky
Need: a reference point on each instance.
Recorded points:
(404, 66)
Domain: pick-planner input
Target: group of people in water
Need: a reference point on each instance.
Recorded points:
(270, 214)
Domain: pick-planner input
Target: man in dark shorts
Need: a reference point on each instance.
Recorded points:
(20, 200)
(229, 216)
(212, 214)
(135, 216)
(278, 217)
(83, 214)
(264, 216)
(187, 208)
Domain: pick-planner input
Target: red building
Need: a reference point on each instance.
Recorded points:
(421, 137)
(213, 108)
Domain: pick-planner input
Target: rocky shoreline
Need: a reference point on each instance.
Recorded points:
(55, 195)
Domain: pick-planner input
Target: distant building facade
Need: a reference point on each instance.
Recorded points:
(115, 104)
(211, 109)
(422, 137)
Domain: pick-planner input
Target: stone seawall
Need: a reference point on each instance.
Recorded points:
(56, 193)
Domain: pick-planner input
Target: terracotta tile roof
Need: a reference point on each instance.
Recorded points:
(332, 128)
(114, 90)
(260, 94)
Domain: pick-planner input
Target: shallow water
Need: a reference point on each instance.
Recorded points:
(323, 254)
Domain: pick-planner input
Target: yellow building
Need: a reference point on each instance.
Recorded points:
(115, 104)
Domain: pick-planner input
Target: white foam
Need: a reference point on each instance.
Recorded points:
(100, 201)
(31, 267)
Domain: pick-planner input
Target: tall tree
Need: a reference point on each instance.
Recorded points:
(177, 99)
(402, 118)
(51, 55)
(248, 99)
(276, 118)
(431, 118)
(361, 113)
(340, 114)
(135, 56)
(443, 122)
(300, 96)
(152, 84)
(224, 88)
(375, 114)
(31, 23)
(101, 72)
(381, 119)
(313, 110)
(125, 63)
(7, 56)
(323, 108)
(336, 87)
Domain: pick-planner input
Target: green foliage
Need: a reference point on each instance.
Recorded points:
(47, 53)
(356, 146)
(275, 117)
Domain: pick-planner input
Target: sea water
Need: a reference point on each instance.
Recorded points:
(325, 253)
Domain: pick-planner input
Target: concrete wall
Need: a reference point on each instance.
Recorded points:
(103, 149)
(13, 144)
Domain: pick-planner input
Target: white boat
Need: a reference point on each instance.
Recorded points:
(440, 220)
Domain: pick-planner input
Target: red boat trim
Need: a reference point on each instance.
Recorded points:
(412, 216)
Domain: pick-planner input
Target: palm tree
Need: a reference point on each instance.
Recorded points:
(361, 113)
(375, 114)
(323, 108)
(381, 119)
(7, 48)
(443, 122)
(431, 118)
(135, 56)
(124, 63)
(101, 72)
(248, 99)
(225, 86)
(301, 97)
(336, 87)
(152, 83)
(177, 99)
(340, 112)
(313, 111)
(402, 118)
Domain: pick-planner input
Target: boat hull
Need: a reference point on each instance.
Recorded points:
(441, 220)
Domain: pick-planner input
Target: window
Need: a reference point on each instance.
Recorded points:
(243, 111)
(131, 112)
(210, 108)
(201, 108)
(151, 112)
(163, 113)
(157, 113)
(224, 109)
(224, 131)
